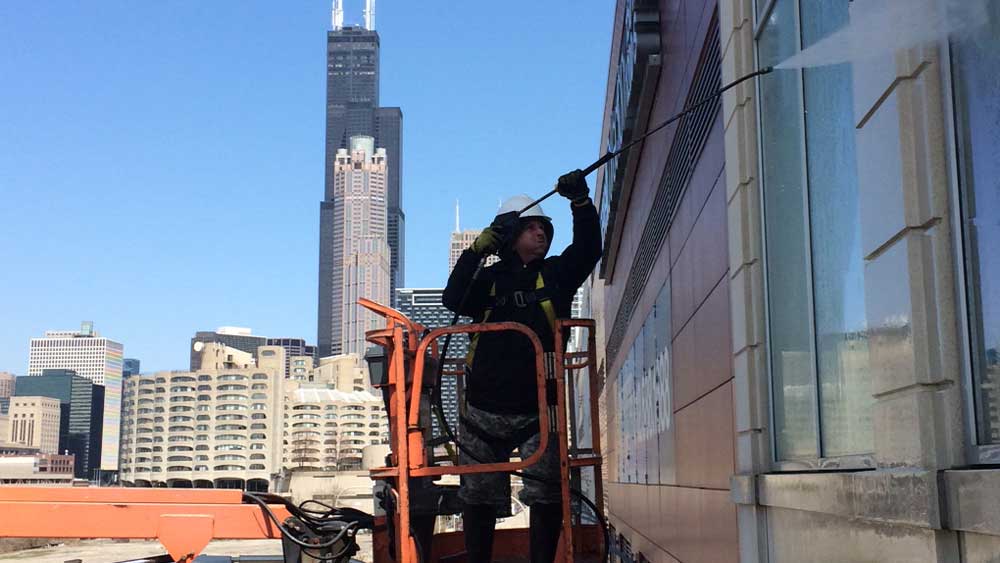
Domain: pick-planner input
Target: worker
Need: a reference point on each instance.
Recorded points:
(501, 388)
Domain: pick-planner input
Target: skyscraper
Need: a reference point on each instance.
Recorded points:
(6, 384)
(81, 418)
(361, 250)
(94, 357)
(425, 307)
(352, 109)
(130, 366)
(460, 240)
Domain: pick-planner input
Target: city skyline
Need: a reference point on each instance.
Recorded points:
(157, 236)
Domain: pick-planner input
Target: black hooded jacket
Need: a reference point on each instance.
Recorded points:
(502, 377)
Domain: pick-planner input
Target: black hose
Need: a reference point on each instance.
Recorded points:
(438, 404)
(298, 513)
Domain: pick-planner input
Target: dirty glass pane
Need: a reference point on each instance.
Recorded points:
(786, 242)
(976, 64)
(835, 233)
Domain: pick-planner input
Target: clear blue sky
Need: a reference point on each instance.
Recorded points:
(161, 163)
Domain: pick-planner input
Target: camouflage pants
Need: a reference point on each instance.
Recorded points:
(506, 430)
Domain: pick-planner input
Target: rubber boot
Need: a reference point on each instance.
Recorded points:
(546, 524)
(478, 522)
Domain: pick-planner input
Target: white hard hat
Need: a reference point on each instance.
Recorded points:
(518, 203)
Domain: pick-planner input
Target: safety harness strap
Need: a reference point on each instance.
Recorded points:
(540, 295)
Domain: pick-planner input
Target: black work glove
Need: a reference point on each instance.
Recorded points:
(497, 235)
(573, 186)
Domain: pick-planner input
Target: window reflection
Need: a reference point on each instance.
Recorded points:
(818, 334)
(976, 66)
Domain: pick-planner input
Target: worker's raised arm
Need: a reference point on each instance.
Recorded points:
(583, 254)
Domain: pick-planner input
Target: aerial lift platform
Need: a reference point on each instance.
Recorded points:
(186, 520)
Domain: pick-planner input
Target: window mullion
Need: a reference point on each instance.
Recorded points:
(814, 364)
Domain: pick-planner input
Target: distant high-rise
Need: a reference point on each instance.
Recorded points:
(460, 240)
(359, 255)
(81, 414)
(232, 336)
(92, 356)
(352, 109)
(130, 366)
(425, 307)
(6, 384)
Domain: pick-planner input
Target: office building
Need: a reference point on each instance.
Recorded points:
(461, 240)
(216, 427)
(6, 384)
(34, 423)
(359, 251)
(130, 366)
(37, 469)
(236, 337)
(81, 414)
(424, 306)
(97, 358)
(352, 109)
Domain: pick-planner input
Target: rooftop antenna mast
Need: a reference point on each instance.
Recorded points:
(370, 15)
(457, 229)
(337, 18)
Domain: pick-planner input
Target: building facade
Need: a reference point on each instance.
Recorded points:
(347, 373)
(130, 366)
(217, 427)
(6, 384)
(293, 347)
(425, 307)
(330, 430)
(36, 469)
(92, 356)
(240, 338)
(359, 244)
(81, 414)
(34, 423)
(795, 308)
(352, 109)
(462, 239)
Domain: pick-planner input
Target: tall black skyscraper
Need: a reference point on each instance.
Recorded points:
(352, 108)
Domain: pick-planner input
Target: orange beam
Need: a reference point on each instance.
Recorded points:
(184, 521)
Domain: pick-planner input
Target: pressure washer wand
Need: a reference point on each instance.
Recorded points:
(609, 155)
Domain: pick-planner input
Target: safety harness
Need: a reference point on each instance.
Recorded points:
(520, 299)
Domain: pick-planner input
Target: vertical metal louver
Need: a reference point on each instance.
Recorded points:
(685, 150)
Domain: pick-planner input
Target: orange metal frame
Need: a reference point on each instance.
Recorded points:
(408, 458)
(183, 520)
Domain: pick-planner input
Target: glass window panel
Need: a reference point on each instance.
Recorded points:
(835, 235)
(786, 241)
(664, 406)
(976, 67)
